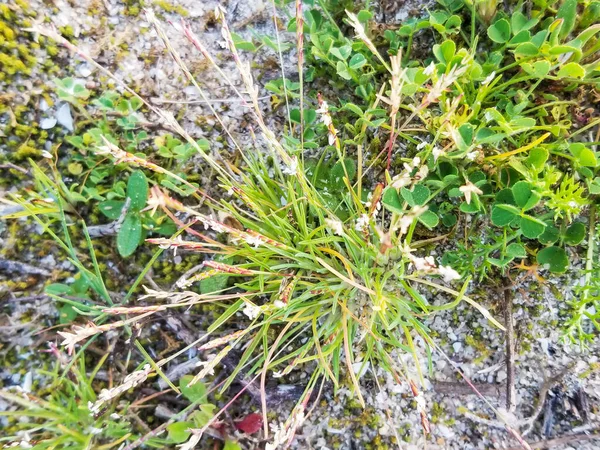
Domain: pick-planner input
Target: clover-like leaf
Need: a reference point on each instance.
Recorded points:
(516, 250)
(111, 208)
(503, 215)
(524, 196)
(391, 201)
(574, 234)
(554, 259)
(178, 431)
(572, 70)
(357, 61)
(585, 156)
(130, 234)
(550, 235)
(531, 227)
(417, 196)
(445, 51)
(137, 190)
(538, 69)
(429, 219)
(338, 173)
(499, 31)
(194, 393)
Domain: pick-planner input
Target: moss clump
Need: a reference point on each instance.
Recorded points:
(171, 9)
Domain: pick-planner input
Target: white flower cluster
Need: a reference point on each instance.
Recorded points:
(292, 168)
(362, 222)
(428, 265)
(252, 311)
(335, 225)
(405, 178)
(283, 433)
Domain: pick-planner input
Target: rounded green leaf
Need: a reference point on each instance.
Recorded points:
(574, 234)
(554, 259)
(429, 219)
(357, 61)
(178, 431)
(571, 70)
(503, 215)
(449, 220)
(516, 250)
(193, 393)
(111, 208)
(532, 227)
(537, 158)
(521, 193)
(130, 234)
(525, 198)
(338, 174)
(499, 31)
(550, 235)
(526, 49)
(391, 201)
(585, 156)
(417, 196)
(444, 52)
(539, 68)
(137, 190)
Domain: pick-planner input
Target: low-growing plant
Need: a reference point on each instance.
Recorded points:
(322, 238)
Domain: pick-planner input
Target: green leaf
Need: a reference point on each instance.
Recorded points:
(357, 61)
(242, 44)
(499, 31)
(230, 445)
(503, 215)
(342, 70)
(130, 234)
(111, 208)
(364, 15)
(520, 38)
(465, 135)
(568, 13)
(429, 219)
(574, 234)
(539, 68)
(585, 157)
(519, 22)
(391, 201)
(444, 52)
(516, 250)
(449, 220)
(342, 52)
(354, 108)
(177, 432)
(338, 174)
(194, 393)
(572, 70)
(554, 259)
(537, 158)
(203, 415)
(531, 227)
(550, 235)
(137, 190)
(58, 289)
(66, 314)
(418, 195)
(525, 198)
(526, 49)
